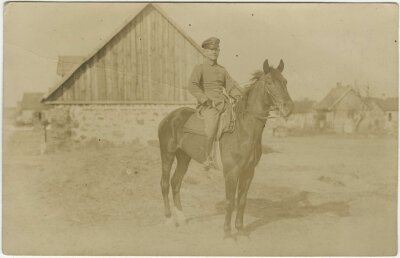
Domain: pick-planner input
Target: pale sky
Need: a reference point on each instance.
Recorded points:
(321, 44)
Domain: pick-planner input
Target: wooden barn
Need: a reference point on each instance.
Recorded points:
(68, 63)
(124, 88)
(344, 110)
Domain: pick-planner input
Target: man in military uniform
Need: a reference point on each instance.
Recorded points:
(210, 83)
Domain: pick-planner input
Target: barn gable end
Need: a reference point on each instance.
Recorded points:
(123, 89)
(67, 63)
(147, 61)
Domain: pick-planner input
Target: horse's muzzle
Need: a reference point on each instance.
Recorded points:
(287, 108)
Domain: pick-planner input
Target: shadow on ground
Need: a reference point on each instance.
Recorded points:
(268, 211)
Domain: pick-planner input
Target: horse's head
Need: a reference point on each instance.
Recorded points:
(273, 85)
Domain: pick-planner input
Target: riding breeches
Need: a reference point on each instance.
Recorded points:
(211, 119)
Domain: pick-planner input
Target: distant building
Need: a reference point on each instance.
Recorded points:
(344, 110)
(18, 109)
(30, 109)
(303, 116)
(373, 118)
(390, 107)
(300, 121)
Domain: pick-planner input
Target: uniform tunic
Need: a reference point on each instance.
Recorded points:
(208, 81)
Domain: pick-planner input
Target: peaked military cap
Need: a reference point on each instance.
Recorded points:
(211, 43)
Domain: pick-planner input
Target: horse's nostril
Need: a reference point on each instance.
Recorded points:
(287, 108)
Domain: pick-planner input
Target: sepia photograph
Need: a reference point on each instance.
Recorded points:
(200, 129)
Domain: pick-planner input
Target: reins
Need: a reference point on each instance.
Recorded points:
(264, 115)
(261, 116)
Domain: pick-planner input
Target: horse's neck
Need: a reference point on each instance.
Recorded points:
(259, 98)
(252, 108)
(255, 102)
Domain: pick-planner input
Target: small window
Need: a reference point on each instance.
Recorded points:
(390, 117)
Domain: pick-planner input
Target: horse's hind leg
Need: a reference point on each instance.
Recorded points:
(167, 159)
(183, 161)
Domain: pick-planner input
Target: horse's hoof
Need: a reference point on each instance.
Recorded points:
(243, 236)
(169, 222)
(228, 233)
(229, 239)
(180, 222)
(228, 236)
(180, 217)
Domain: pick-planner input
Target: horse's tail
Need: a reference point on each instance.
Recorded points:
(167, 159)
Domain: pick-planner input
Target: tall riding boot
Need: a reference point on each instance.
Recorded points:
(209, 148)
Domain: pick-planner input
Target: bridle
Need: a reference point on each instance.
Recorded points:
(264, 115)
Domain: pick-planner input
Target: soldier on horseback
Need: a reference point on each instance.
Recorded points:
(211, 85)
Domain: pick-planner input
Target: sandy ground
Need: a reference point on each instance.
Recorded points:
(316, 195)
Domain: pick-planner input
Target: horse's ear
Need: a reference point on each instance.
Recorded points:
(281, 66)
(266, 66)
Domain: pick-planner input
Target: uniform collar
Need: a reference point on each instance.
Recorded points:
(209, 62)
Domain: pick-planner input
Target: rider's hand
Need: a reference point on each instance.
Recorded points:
(237, 98)
(208, 103)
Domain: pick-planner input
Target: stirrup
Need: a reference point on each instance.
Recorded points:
(209, 163)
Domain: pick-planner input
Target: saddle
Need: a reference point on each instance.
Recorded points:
(195, 124)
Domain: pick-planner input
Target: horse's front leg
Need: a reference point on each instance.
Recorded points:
(231, 179)
(245, 179)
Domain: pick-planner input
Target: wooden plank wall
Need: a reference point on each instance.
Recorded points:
(149, 60)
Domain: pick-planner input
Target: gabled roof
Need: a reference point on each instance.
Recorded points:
(126, 23)
(333, 98)
(32, 101)
(388, 104)
(67, 63)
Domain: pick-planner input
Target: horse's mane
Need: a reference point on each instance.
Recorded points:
(241, 105)
(256, 76)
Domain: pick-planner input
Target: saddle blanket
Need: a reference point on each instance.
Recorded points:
(195, 123)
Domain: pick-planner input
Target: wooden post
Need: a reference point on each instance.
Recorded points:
(43, 144)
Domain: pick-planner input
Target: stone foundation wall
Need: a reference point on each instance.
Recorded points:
(112, 123)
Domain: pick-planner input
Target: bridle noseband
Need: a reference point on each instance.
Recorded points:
(264, 115)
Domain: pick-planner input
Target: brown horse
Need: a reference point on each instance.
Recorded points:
(240, 150)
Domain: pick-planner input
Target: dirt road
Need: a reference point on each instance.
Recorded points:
(320, 195)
